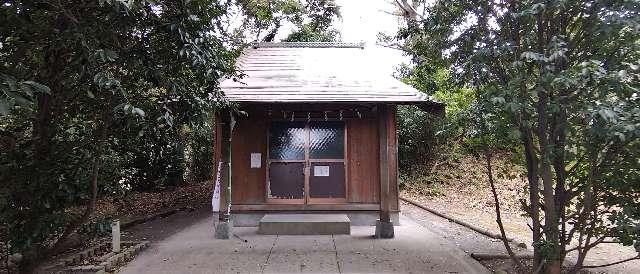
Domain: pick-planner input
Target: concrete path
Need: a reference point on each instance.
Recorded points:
(194, 250)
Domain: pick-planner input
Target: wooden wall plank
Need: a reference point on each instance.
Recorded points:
(363, 178)
(362, 151)
(249, 136)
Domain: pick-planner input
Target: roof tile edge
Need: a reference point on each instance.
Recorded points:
(308, 45)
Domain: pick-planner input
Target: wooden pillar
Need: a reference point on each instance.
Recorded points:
(386, 136)
(224, 226)
(384, 163)
(392, 157)
(222, 143)
(217, 144)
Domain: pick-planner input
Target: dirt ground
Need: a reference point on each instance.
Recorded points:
(140, 204)
(466, 195)
(162, 228)
(185, 205)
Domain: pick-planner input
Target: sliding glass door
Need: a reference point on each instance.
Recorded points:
(306, 162)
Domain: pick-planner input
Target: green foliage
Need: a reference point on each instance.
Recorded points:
(423, 138)
(306, 33)
(313, 18)
(117, 92)
(16, 94)
(120, 76)
(561, 79)
(317, 28)
(200, 151)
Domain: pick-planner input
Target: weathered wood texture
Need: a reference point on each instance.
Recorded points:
(217, 143)
(336, 72)
(302, 207)
(222, 140)
(392, 144)
(362, 156)
(249, 136)
(362, 151)
(383, 168)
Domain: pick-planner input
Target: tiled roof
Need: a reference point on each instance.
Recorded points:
(317, 73)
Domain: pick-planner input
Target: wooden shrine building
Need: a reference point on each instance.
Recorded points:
(316, 133)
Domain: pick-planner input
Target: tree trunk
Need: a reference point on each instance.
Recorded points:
(42, 127)
(180, 147)
(91, 205)
(551, 221)
(534, 194)
(554, 267)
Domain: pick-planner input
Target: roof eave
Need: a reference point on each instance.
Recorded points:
(434, 108)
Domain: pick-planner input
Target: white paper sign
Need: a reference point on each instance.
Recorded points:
(215, 198)
(256, 160)
(321, 171)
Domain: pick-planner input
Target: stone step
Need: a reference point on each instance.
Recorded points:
(304, 224)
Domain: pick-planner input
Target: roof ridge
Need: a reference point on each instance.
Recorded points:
(308, 45)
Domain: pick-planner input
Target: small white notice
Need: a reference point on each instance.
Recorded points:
(256, 160)
(321, 171)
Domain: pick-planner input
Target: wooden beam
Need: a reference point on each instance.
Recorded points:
(306, 207)
(383, 136)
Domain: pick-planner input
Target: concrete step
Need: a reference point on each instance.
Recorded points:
(304, 224)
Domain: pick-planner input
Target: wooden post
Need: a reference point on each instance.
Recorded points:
(225, 132)
(384, 164)
(217, 155)
(384, 226)
(392, 157)
(223, 148)
(217, 142)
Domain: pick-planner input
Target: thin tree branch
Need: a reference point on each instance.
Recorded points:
(498, 214)
(613, 263)
(409, 11)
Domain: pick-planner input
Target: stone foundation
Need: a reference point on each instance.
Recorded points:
(357, 218)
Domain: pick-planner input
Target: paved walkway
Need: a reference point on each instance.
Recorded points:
(194, 250)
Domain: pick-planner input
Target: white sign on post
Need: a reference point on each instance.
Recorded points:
(321, 171)
(215, 198)
(256, 160)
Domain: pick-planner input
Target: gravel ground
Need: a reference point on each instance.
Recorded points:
(464, 238)
(460, 189)
(472, 242)
(468, 240)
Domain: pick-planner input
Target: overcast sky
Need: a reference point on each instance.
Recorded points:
(362, 20)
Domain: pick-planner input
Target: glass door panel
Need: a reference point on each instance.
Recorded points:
(286, 180)
(327, 181)
(306, 162)
(287, 141)
(326, 159)
(326, 140)
(287, 154)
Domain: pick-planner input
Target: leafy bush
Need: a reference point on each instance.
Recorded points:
(424, 139)
(104, 97)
